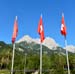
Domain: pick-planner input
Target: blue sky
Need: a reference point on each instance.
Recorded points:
(29, 11)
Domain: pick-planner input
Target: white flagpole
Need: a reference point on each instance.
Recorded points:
(67, 57)
(40, 58)
(13, 58)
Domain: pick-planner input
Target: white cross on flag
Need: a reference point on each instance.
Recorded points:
(63, 26)
(41, 29)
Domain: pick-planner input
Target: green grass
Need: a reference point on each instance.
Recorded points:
(4, 72)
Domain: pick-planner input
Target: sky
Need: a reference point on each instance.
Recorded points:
(29, 12)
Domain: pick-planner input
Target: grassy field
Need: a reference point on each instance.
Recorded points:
(4, 72)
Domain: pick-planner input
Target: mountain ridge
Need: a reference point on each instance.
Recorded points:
(48, 42)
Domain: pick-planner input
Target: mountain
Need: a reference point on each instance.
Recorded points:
(25, 38)
(70, 48)
(28, 44)
(33, 48)
(50, 43)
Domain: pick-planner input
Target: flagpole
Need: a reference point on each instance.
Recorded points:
(13, 58)
(67, 57)
(40, 58)
(25, 64)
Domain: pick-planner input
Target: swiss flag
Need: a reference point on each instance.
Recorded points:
(15, 30)
(63, 26)
(41, 29)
